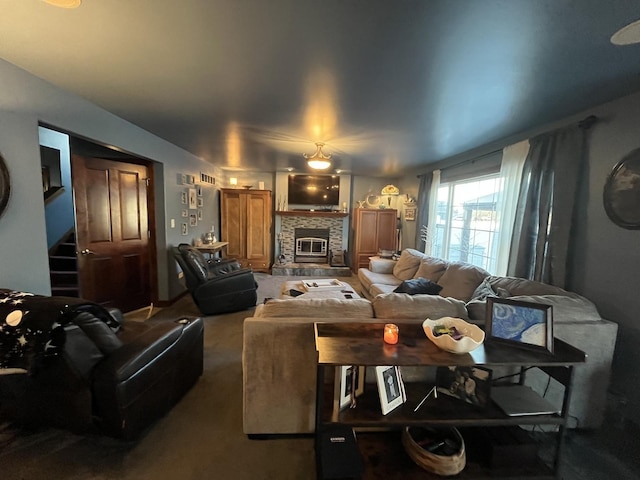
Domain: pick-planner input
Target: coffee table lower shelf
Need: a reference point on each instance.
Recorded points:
(385, 458)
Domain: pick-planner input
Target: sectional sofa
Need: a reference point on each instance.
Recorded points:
(279, 361)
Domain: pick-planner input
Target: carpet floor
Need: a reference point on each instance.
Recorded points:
(201, 437)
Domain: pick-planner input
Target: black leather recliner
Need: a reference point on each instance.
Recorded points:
(115, 382)
(217, 286)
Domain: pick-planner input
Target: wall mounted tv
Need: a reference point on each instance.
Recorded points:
(314, 190)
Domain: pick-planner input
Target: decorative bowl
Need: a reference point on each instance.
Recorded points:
(472, 339)
(247, 187)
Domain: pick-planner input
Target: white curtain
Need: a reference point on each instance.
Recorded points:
(433, 203)
(513, 158)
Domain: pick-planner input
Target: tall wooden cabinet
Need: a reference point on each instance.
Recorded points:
(373, 230)
(246, 225)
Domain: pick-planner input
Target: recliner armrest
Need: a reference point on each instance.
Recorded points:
(141, 351)
(235, 281)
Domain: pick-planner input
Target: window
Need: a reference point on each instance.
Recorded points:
(467, 221)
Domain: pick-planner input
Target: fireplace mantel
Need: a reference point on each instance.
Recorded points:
(308, 213)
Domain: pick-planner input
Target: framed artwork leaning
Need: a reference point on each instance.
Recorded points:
(468, 384)
(349, 384)
(390, 388)
(523, 324)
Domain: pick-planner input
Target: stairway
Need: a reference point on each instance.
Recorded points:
(63, 267)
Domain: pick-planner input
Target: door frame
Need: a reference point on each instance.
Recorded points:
(124, 156)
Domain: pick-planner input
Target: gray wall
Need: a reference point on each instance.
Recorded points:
(607, 256)
(25, 101)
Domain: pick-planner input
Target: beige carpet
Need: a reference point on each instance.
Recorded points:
(201, 438)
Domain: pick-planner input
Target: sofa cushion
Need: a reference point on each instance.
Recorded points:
(418, 285)
(432, 268)
(565, 309)
(402, 306)
(461, 279)
(380, 288)
(316, 307)
(408, 263)
(368, 278)
(522, 286)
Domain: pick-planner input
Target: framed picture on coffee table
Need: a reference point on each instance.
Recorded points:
(523, 324)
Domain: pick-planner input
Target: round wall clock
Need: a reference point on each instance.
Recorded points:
(622, 192)
(5, 188)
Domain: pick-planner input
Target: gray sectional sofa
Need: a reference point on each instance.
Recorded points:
(279, 369)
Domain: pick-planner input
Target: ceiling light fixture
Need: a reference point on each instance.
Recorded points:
(627, 35)
(64, 3)
(318, 161)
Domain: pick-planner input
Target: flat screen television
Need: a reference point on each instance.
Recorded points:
(323, 190)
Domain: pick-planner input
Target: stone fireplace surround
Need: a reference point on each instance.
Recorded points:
(286, 238)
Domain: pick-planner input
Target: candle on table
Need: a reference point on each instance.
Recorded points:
(391, 333)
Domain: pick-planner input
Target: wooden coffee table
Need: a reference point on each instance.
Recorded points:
(344, 293)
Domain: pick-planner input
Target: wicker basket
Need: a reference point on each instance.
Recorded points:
(439, 464)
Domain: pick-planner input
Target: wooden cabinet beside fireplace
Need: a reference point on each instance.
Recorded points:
(246, 225)
(373, 230)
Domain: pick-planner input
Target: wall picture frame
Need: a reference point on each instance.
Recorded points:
(199, 190)
(193, 220)
(349, 384)
(193, 203)
(410, 213)
(200, 202)
(199, 215)
(390, 388)
(184, 199)
(184, 213)
(519, 323)
(185, 229)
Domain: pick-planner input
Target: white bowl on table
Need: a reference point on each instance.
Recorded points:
(472, 339)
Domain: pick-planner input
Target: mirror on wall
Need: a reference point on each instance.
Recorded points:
(622, 192)
(5, 187)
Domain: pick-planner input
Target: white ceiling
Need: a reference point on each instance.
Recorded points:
(386, 84)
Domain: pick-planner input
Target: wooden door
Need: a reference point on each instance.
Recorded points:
(112, 228)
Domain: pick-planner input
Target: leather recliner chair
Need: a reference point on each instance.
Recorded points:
(216, 286)
(116, 382)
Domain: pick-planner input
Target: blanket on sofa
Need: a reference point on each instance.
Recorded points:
(32, 327)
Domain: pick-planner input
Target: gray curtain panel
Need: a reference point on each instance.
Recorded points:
(422, 213)
(546, 206)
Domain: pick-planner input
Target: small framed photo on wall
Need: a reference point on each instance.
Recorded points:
(193, 220)
(184, 213)
(193, 203)
(185, 229)
(200, 202)
(199, 215)
(199, 190)
(410, 213)
(183, 198)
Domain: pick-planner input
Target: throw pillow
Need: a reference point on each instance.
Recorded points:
(432, 268)
(408, 263)
(461, 279)
(418, 286)
(483, 291)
